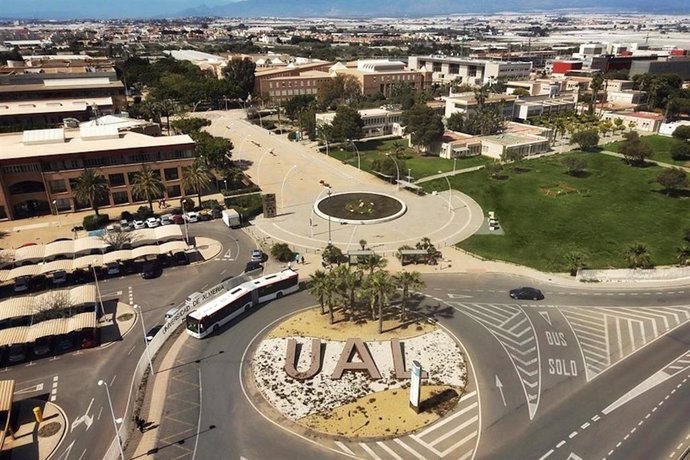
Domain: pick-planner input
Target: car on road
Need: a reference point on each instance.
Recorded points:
(254, 265)
(151, 270)
(192, 217)
(205, 215)
(153, 331)
(153, 222)
(257, 256)
(181, 258)
(216, 213)
(526, 293)
(139, 224)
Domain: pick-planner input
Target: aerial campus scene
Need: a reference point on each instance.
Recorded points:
(327, 230)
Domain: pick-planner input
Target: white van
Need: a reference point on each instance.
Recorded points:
(170, 313)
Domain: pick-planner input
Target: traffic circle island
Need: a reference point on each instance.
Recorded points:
(360, 208)
(347, 381)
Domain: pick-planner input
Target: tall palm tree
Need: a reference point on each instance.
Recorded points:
(575, 261)
(91, 187)
(380, 288)
(638, 256)
(318, 287)
(596, 85)
(197, 177)
(348, 281)
(147, 185)
(165, 108)
(407, 281)
(330, 285)
(373, 263)
(683, 255)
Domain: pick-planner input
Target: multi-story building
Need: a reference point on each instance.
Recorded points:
(467, 103)
(679, 66)
(39, 169)
(281, 89)
(531, 107)
(21, 115)
(640, 121)
(447, 69)
(262, 76)
(379, 75)
(377, 122)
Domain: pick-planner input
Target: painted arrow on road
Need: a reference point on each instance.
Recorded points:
(499, 385)
(86, 419)
(545, 315)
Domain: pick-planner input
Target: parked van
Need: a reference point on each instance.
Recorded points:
(170, 313)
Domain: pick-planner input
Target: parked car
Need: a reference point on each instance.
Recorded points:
(16, 353)
(139, 224)
(153, 222)
(41, 347)
(112, 268)
(192, 217)
(59, 277)
(153, 331)
(257, 256)
(150, 270)
(205, 215)
(129, 266)
(181, 258)
(125, 225)
(166, 219)
(21, 284)
(63, 344)
(177, 219)
(526, 293)
(251, 266)
(170, 313)
(216, 213)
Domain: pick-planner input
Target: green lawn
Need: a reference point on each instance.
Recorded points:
(661, 146)
(613, 206)
(420, 166)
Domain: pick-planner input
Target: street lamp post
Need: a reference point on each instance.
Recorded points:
(455, 159)
(311, 216)
(397, 170)
(409, 174)
(115, 420)
(450, 190)
(239, 150)
(329, 219)
(143, 330)
(98, 289)
(359, 158)
(323, 133)
(184, 218)
(258, 167)
(282, 187)
(57, 212)
(225, 181)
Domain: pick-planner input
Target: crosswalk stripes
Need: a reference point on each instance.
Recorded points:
(512, 328)
(456, 436)
(610, 334)
(680, 364)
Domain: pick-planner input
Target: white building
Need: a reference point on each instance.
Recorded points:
(377, 122)
(666, 129)
(446, 69)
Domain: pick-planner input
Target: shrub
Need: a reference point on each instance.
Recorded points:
(269, 125)
(176, 211)
(210, 204)
(248, 206)
(144, 213)
(292, 135)
(94, 222)
(282, 252)
(126, 215)
(680, 150)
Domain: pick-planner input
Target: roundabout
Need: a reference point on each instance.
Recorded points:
(360, 208)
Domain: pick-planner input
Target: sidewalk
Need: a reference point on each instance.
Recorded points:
(31, 440)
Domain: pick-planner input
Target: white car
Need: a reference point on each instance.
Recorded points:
(139, 224)
(153, 222)
(192, 217)
(166, 219)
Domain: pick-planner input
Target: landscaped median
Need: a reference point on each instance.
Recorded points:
(300, 370)
(599, 211)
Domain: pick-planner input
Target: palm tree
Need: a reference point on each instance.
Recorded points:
(165, 108)
(638, 256)
(317, 282)
(348, 281)
(407, 281)
(379, 287)
(575, 261)
(91, 187)
(596, 84)
(683, 255)
(374, 262)
(330, 283)
(147, 185)
(197, 177)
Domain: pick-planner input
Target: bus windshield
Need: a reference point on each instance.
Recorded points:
(192, 324)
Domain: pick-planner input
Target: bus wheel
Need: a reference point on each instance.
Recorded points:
(215, 328)
(279, 295)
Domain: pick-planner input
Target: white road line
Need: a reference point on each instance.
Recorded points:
(82, 454)
(560, 444)
(572, 435)
(409, 449)
(459, 443)
(100, 411)
(451, 418)
(620, 340)
(546, 454)
(198, 425)
(585, 425)
(454, 430)
(344, 448)
(467, 455)
(390, 451)
(368, 450)
(113, 380)
(595, 418)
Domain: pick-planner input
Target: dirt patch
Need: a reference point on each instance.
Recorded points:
(312, 323)
(560, 190)
(125, 317)
(49, 429)
(384, 414)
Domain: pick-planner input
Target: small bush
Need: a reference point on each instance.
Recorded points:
(292, 135)
(94, 222)
(126, 215)
(210, 204)
(144, 213)
(176, 211)
(282, 252)
(269, 125)
(252, 188)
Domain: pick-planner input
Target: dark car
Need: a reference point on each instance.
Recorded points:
(80, 276)
(216, 213)
(41, 347)
(177, 219)
(253, 265)
(63, 344)
(181, 258)
(526, 293)
(16, 354)
(205, 215)
(152, 332)
(151, 270)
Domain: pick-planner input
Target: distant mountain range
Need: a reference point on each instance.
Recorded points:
(80, 9)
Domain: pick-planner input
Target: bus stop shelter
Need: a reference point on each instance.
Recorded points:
(413, 256)
(360, 256)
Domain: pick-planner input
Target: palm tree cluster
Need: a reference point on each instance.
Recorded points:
(365, 291)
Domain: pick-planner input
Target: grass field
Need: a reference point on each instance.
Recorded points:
(420, 166)
(599, 213)
(661, 146)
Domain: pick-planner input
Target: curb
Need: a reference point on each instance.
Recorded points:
(64, 433)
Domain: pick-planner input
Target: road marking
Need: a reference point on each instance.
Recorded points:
(368, 450)
(82, 454)
(454, 430)
(53, 391)
(452, 417)
(100, 411)
(344, 448)
(113, 380)
(572, 435)
(31, 389)
(545, 315)
(546, 454)
(560, 444)
(390, 451)
(499, 385)
(458, 444)
(409, 449)
(585, 425)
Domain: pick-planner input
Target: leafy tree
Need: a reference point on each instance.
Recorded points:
(596, 84)
(683, 255)
(587, 139)
(494, 168)
(307, 122)
(295, 105)
(637, 255)
(282, 252)
(197, 177)
(522, 92)
(337, 90)
(92, 188)
(575, 260)
(680, 150)
(348, 281)
(12, 55)
(213, 150)
(165, 108)
(407, 281)
(118, 240)
(456, 122)
(424, 126)
(332, 254)
(402, 93)
(573, 165)
(147, 185)
(387, 165)
(511, 156)
(347, 124)
(682, 132)
(634, 149)
(672, 179)
(242, 74)
(190, 125)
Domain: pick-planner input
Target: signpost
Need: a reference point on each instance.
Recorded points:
(416, 386)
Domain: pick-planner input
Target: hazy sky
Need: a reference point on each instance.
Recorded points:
(100, 8)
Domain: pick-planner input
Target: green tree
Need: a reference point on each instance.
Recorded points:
(521, 92)
(379, 288)
(511, 156)
(672, 179)
(424, 126)
(190, 125)
(348, 281)
(407, 281)
(282, 252)
(637, 256)
(295, 105)
(587, 139)
(682, 132)
(241, 72)
(347, 124)
(165, 108)
(575, 260)
(402, 93)
(147, 185)
(92, 188)
(318, 287)
(596, 84)
(683, 255)
(373, 263)
(307, 122)
(214, 151)
(573, 165)
(634, 149)
(456, 122)
(494, 168)
(197, 177)
(680, 150)
(332, 254)
(387, 165)
(338, 90)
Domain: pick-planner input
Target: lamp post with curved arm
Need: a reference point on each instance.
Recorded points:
(115, 420)
(450, 190)
(397, 170)
(322, 132)
(359, 158)
(282, 187)
(258, 167)
(311, 217)
(239, 149)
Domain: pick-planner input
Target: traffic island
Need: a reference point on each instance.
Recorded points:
(347, 381)
(29, 439)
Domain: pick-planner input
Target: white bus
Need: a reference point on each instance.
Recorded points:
(218, 311)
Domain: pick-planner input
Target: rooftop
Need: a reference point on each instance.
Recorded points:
(51, 106)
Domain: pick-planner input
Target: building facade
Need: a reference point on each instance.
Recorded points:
(447, 69)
